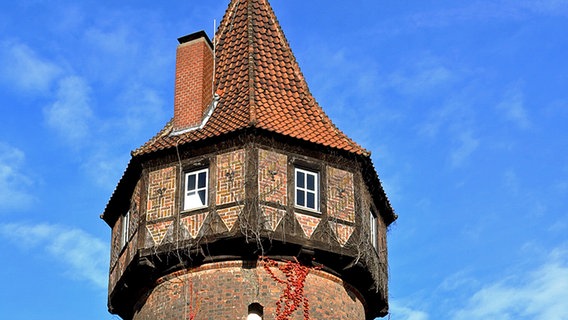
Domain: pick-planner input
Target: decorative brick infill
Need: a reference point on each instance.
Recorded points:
(230, 177)
(161, 194)
(272, 177)
(340, 194)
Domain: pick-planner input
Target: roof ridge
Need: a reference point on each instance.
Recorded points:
(251, 69)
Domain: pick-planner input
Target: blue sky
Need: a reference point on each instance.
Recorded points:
(464, 105)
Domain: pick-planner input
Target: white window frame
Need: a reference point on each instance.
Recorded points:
(191, 198)
(125, 232)
(373, 230)
(305, 190)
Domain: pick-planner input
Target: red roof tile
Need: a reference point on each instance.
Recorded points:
(262, 86)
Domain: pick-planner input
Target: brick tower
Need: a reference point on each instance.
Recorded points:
(249, 203)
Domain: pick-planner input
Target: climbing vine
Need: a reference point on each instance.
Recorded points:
(293, 295)
(253, 221)
(194, 303)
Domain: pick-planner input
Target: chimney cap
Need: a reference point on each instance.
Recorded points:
(195, 36)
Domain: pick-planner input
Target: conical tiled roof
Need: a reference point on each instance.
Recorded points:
(260, 85)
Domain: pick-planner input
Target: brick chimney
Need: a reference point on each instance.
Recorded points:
(193, 84)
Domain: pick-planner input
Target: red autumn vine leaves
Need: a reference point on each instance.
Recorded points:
(292, 296)
(194, 303)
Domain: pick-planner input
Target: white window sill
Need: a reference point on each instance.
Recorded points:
(307, 209)
(193, 209)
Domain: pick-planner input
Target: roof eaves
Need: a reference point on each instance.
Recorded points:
(118, 199)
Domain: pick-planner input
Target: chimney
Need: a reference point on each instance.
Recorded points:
(194, 80)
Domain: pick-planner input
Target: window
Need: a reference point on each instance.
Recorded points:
(255, 311)
(125, 234)
(373, 228)
(307, 189)
(195, 195)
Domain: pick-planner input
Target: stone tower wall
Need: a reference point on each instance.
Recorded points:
(224, 290)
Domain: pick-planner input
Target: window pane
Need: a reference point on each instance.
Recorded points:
(190, 182)
(300, 198)
(311, 182)
(196, 189)
(311, 200)
(202, 181)
(300, 179)
(202, 196)
(192, 201)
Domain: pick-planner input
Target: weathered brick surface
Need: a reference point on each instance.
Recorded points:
(308, 223)
(230, 177)
(382, 234)
(229, 215)
(340, 196)
(161, 193)
(112, 278)
(224, 291)
(272, 176)
(191, 225)
(158, 233)
(341, 231)
(135, 209)
(271, 217)
(115, 242)
(118, 264)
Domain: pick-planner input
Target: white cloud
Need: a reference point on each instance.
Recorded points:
(457, 280)
(83, 255)
(105, 168)
(453, 117)
(468, 12)
(439, 119)
(471, 11)
(398, 311)
(539, 294)
(421, 78)
(559, 227)
(513, 108)
(547, 7)
(126, 45)
(143, 106)
(14, 183)
(24, 69)
(454, 122)
(115, 42)
(70, 115)
(511, 181)
(466, 146)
